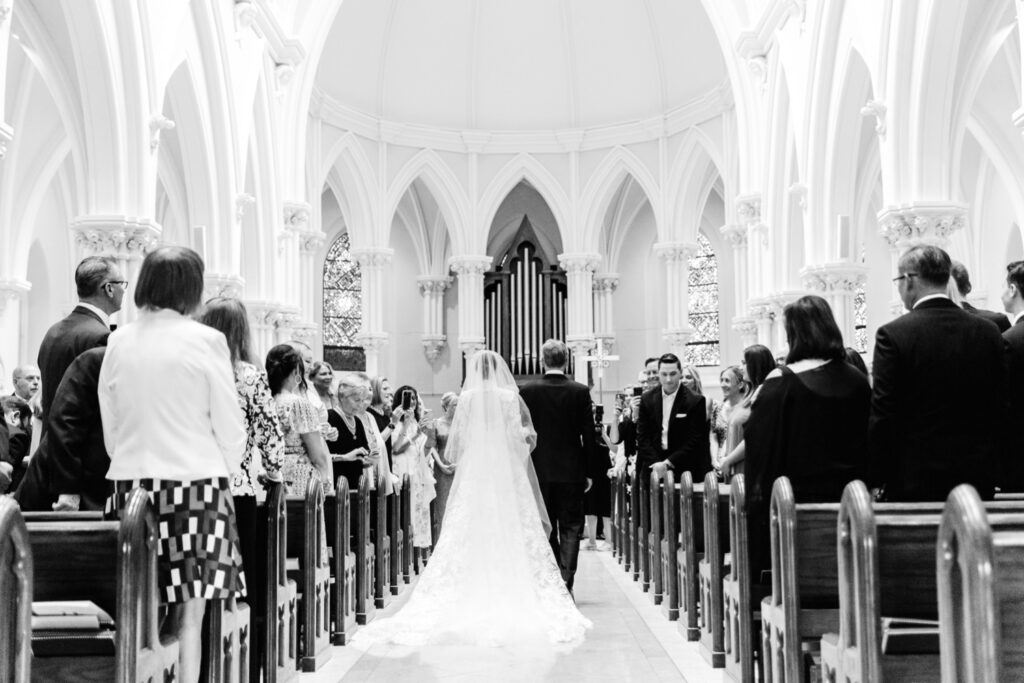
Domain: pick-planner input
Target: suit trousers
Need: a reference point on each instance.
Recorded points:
(564, 503)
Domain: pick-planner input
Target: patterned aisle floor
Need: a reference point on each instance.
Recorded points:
(630, 641)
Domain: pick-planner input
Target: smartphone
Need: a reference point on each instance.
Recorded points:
(638, 391)
(598, 414)
(406, 399)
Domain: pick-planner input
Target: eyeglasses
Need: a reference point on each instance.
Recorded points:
(904, 276)
(123, 283)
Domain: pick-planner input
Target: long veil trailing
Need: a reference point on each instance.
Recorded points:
(492, 577)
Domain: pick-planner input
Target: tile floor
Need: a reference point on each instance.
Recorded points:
(631, 641)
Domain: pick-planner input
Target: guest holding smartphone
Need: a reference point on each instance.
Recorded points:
(408, 457)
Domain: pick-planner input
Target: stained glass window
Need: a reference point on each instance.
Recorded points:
(860, 316)
(343, 295)
(703, 348)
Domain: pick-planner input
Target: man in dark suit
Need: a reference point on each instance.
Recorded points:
(566, 455)
(68, 470)
(940, 390)
(1013, 302)
(962, 279)
(101, 288)
(672, 430)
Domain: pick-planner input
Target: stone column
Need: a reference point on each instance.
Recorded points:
(579, 273)
(263, 318)
(747, 328)
(677, 330)
(762, 313)
(311, 245)
(736, 235)
(372, 263)
(125, 238)
(837, 283)
(916, 224)
(748, 210)
(12, 332)
(604, 322)
(470, 270)
(432, 288)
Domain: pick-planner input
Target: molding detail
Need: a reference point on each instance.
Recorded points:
(840, 277)
(304, 330)
(296, 215)
(745, 325)
(878, 110)
(471, 345)
(245, 14)
(735, 233)
(433, 345)
(373, 256)
(748, 208)
(909, 226)
(577, 262)
(761, 309)
(433, 284)
(125, 236)
(221, 284)
(158, 123)
(372, 341)
(312, 242)
(799, 190)
(606, 282)
(676, 251)
(11, 290)
(470, 265)
(243, 200)
(5, 12)
(677, 337)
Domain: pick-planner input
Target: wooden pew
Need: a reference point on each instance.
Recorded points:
(626, 523)
(711, 569)
(396, 534)
(655, 499)
(689, 554)
(115, 566)
(307, 537)
(365, 553)
(277, 622)
(670, 547)
(742, 592)
(615, 520)
(339, 520)
(980, 566)
(644, 532)
(15, 594)
(407, 547)
(637, 545)
(382, 545)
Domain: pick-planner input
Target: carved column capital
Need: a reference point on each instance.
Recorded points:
(906, 227)
(311, 242)
(220, 284)
(373, 256)
(779, 300)
(577, 262)
(745, 325)
(581, 346)
(676, 251)
(121, 236)
(878, 110)
(679, 337)
(243, 200)
(471, 345)
(372, 341)
(606, 283)
(433, 345)
(470, 264)
(761, 309)
(296, 216)
(828, 278)
(304, 330)
(433, 284)
(735, 234)
(12, 289)
(748, 208)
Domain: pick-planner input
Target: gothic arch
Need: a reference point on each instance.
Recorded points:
(439, 179)
(695, 161)
(354, 176)
(410, 211)
(523, 167)
(617, 166)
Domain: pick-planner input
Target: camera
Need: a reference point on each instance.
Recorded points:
(638, 391)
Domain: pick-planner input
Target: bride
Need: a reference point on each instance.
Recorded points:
(492, 578)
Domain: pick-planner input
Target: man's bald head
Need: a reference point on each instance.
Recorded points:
(27, 380)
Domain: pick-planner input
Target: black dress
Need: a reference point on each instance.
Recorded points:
(598, 500)
(345, 443)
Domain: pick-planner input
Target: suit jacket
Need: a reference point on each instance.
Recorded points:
(71, 458)
(1013, 475)
(64, 341)
(938, 403)
(563, 417)
(1001, 321)
(689, 445)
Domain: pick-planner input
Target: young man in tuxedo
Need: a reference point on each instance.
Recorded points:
(672, 430)
(939, 396)
(1013, 302)
(101, 287)
(566, 454)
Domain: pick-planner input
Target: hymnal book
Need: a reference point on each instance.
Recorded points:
(69, 615)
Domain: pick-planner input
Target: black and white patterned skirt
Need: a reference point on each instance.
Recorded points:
(199, 553)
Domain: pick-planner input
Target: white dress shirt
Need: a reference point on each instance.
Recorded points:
(667, 401)
(1016, 318)
(97, 310)
(928, 298)
(168, 401)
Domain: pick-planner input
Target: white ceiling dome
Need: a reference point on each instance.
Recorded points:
(511, 65)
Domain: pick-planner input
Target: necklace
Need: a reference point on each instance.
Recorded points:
(350, 422)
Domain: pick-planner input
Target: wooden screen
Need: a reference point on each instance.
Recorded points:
(524, 304)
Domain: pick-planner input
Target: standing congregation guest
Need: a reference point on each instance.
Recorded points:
(734, 390)
(444, 468)
(172, 425)
(651, 379)
(622, 429)
(264, 443)
(1013, 302)
(408, 457)
(672, 430)
(321, 377)
(26, 380)
(68, 472)
(808, 422)
(960, 279)
(940, 390)
(305, 450)
(758, 362)
(101, 288)
(378, 447)
(350, 452)
(18, 417)
(380, 411)
(854, 358)
(597, 503)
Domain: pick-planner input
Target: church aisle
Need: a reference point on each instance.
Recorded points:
(630, 641)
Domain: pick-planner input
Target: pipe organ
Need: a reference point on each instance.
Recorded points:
(524, 304)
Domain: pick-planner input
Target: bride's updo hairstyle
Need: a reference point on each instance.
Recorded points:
(488, 369)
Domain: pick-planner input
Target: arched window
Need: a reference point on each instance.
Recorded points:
(860, 315)
(343, 296)
(704, 347)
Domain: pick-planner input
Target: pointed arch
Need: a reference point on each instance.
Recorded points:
(523, 167)
(618, 165)
(410, 211)
(354, 178)
(438, 177)
(688, 180)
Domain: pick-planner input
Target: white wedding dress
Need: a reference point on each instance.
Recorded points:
(492, 578)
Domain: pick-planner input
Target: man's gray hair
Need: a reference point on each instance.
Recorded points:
(92, 273)
(930, 264)
(555, 354)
